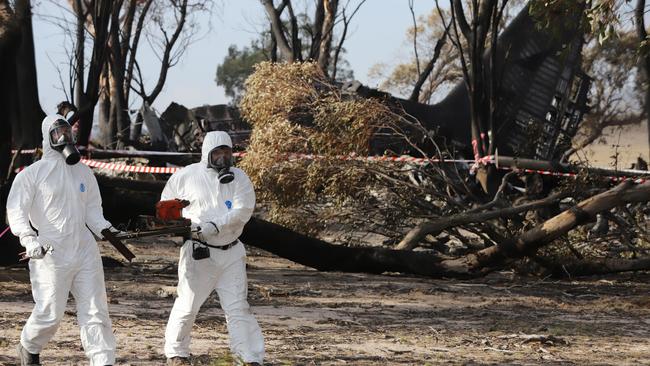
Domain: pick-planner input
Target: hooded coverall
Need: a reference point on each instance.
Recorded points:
(229, 207)
(62, 202)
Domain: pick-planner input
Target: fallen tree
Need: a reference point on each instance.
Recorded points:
(294, 110)
(327, 257)
(324, 256)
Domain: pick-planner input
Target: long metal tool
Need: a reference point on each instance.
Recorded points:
(115, 241)
(183, 230)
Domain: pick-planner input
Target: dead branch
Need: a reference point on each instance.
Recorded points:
(415, 37)
(415, 95)
(411, 239)
(529, 242)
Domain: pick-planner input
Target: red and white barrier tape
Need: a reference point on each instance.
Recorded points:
(4, 232)
(397, 159)
(296, 156)
(171, 170)
(130, 168)
(30, 151)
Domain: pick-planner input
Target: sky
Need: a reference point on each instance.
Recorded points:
(377, 35)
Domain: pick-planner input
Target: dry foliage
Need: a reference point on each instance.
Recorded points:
(294, 109)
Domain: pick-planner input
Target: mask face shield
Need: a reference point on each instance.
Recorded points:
(61, 134)
(62, 140)
(220, 159)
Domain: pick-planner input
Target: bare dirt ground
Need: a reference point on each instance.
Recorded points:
(313, 318)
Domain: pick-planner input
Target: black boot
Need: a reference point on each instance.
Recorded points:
(26, 358)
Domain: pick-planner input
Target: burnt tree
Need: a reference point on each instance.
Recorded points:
(19, 102)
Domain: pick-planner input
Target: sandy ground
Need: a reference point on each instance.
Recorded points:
(313, 318)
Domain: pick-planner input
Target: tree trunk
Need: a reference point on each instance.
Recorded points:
(29, 108)
(110, 140)
(87, 94)
(117, 60)
(645, 58)
(21, 110)
(330, 6)
(319, 17)
(597, 266)
(323, 256)
(9, 39)
(104, 107)
(276, 28)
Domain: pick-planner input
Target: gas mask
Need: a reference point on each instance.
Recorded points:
(220, 159)
(62, 141)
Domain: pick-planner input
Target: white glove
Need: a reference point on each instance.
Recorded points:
(33, 249)
(195, 228)
(115, 231)
(208, 228)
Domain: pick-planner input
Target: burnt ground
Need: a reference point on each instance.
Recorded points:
(314, 318)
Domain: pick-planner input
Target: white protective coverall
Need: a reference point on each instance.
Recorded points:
(60, 200)
(229, 206)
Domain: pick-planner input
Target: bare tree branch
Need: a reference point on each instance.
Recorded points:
(415, 37)
(424, 75)
(339, 46)
(169, 45)
(133, 48)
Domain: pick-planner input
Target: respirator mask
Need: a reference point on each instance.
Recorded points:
(220, 159)
(61, 140)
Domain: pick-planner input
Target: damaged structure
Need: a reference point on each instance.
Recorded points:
(181, 129)
(542, 96)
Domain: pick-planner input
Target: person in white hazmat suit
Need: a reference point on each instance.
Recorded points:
(222, 201)
(60, 198)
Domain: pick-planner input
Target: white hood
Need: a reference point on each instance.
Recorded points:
(213, 139)
(48, 151)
